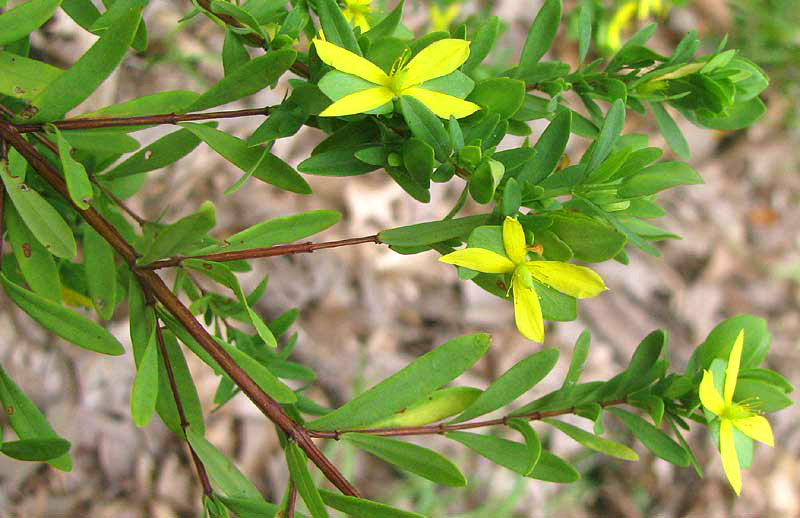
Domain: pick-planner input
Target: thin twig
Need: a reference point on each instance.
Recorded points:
(292, 499)
(444, 428)
(198, 464)
(4, 159)
(256, 253)
(121, 204)
(144, 120)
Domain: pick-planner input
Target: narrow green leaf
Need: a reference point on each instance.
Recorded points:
(165, 405)
(386, 27)
(101, 272)
(585, 19)
(78, 184)
(296, 460)
(248, 79)
(532, 441)
(101, 142)
(644, 357)
(591, 441)
(361, 508)
(25, 18)
(657, 178)
(39, 216)
(410, 457)
(671, 131)
(579, 355)
(540, 36)
(82, 79)
(234, 53)
(548, 150)
(482, 43)
(267, 168)
(37, 450)
(424, 375)
(511, 384)
(221, 470)
(336, 28)
(425, 126)
(24, 78)
(176, 237)
(501, 95)
(654, 439)
(440, 404)
(161, 153)
(249, 507)
(431, 232)
(67, 324)
(37, 265)
(609, 133)
(145, 385)
(240, 14)
(26, 419)
(261, 375)
(154, 104)
(590, 240)
(336, 162)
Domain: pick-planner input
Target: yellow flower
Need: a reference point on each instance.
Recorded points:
(738, 415)
(441, 18)
(575, 281)
(436, 60)
(355, 12)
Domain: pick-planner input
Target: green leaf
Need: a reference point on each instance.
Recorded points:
(424, 375)
(101, 142)
(589, 239)
(591, 441)
(654, 439)
(657, 178)
(165, 405)
(248, 79)
(101, 272)
(234, 53)
(221, 470)
(25, 18)
(37, 450)
(485, 179)
(154, 104)
(161, 153)
(644, 358)
(336, 162)
(609, 133)
(500, 95)
(512, 198)
(410, 457)
(250, 507)
(241, 15)
(720, 340)
(261, 375)
(418, 160)
(440, 404)
(67, 324)
(24, 78)
(85, 76)
(39, 216)
(532, 441)
(585, 19)
(431, 232)
(37, 265)
(548, 150)
(540, 36)
(337, 29)
(671, 131)
(767, 376)
(361, 508)
(178, 236)
(78, 184)
(425, 126)
(145, 385)
(482, 43)
(579, 355)
(767, 398)
(511, 384)
(26, 419)
(386, 27)
(296, 460)
(252, 160)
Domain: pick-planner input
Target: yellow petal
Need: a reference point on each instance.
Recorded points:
(756, 427)
(442, 105)
(360, 21)
(729, 460)
(575, 281)
(732, 372)
(436, 60)
(359, 102)
(346, 61)
(479, 259)
(514, 240)
(709, 395)
(527, 311)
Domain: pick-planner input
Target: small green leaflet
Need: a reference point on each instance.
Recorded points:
(425, 126)
(540, 36)
(174, 238)
(36, 450)
(37, 265)
(656, 441)
(432, 231)
(145, 385)
(440, 404)
(24, 78)
(658, 177)
(25, 18)
(161, 153)
(101, 272)
(671, 131)
(609, 133)
(296, 460)
(614, 449)
(361, 508)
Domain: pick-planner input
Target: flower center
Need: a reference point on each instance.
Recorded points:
(398, 73)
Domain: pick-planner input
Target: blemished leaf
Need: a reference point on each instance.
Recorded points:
(39, 216)
(592, 441)
(24, 78)
(296, 461)
(37, 265)
(532, 442)
(145, 385)
(85, 76)
(540, 36)
(222, 471)
(67, 324)
(671, 131)
(101, 272)
(432, 231)
(248, 79)
(514, 456)
(361, 508)
(609, 133)
(654, 439)
(421, 377)
(165, 405)
(511, 384)
(36, 450)
(176, 237)
(410, 457)
(548, 151)
(440, 404)
(425, 126)
(252, 160)
(26, 419)
(482, 43)
(161, 153)
(25, 18)
(657, 178)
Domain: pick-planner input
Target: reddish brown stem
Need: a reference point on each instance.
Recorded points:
(444, 428)
(198, 464)
(4, 159)
(292, 499)
(152, 282)
(145, 120)
(273, 251)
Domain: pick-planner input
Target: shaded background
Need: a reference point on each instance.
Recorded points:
(366, 311)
